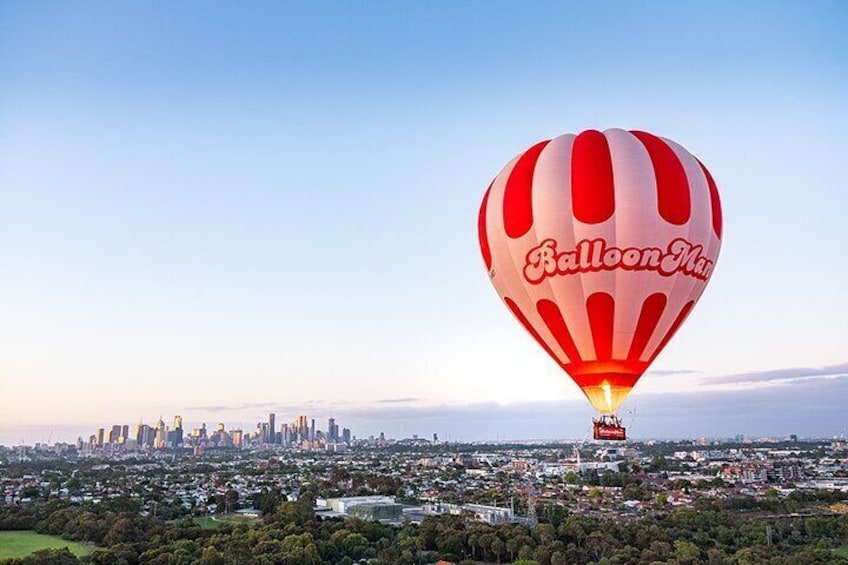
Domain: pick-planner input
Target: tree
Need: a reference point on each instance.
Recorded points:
(686, 552)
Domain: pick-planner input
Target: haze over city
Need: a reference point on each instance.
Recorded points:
(223, 212)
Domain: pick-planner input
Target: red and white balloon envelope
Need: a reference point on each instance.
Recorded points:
(600, 244)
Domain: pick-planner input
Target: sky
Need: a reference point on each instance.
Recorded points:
(220, 210)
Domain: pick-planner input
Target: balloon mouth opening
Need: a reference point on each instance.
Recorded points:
(606, 398)
(605, 389)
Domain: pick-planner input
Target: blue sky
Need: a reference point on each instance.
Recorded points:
(207, 204)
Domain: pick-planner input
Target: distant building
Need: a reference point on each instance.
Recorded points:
(480, 512)
(598, 466)
(302, 427)
(377, 512)
(332, 430)
(344, 504)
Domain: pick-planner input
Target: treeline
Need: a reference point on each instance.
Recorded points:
(291, 534)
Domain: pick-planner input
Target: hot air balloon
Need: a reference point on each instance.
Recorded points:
(600, 244)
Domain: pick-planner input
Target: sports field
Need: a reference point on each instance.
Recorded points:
(23, 542)
(209, 523)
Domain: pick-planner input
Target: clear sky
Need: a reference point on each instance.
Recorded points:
(222, 209)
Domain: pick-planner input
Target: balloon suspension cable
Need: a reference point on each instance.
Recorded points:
(632, 418)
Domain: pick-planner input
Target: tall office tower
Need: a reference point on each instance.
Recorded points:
(272, 428)
(178, 422)
(435, 438)
(202, 434)
(139, 429)
(237, 438)
(220, 427)
(161, 439)
(115, 434)
(332, 430)
(312, 431)
(174, 438)
(346, 435)
(100, 433)
(147, 436)
(302, 427)
(264, 432)
(284, 435)
(125, 433)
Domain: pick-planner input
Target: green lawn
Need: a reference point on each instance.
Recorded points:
(843, 551)
(209, 523)
(22, 543)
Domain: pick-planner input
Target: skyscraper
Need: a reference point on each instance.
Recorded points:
(302, 427)
(175, 436)
(115, 434)
(332, 430)
(272, 431)
(161, 434)
(147, 436)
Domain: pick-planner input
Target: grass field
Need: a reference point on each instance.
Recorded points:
(843, 551)
(209, 523)
(22, 543)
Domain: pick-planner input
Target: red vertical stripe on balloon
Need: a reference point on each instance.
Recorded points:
(527, 326)
(679, 320)
(601, 310)
(673, 200)
(550, 313)
(715, 203)
(518, 195)
(592, 186)
(652, 310)
(481, 230)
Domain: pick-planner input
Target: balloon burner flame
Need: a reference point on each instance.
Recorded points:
(607, 394)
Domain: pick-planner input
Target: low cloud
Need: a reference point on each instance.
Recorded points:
(668, 372)
(407, 400)
(787, 374)
(809, 408)
(231, 408)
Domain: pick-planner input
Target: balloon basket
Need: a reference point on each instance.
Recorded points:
(608, 428)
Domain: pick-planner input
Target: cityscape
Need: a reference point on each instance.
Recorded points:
(423, 283)
(786, 496)
(301, 433)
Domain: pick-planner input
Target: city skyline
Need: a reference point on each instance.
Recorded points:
(301, 433)
(275, 209)
(718, 412)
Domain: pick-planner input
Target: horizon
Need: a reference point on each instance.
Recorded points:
(646, 415)
(281, 203)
